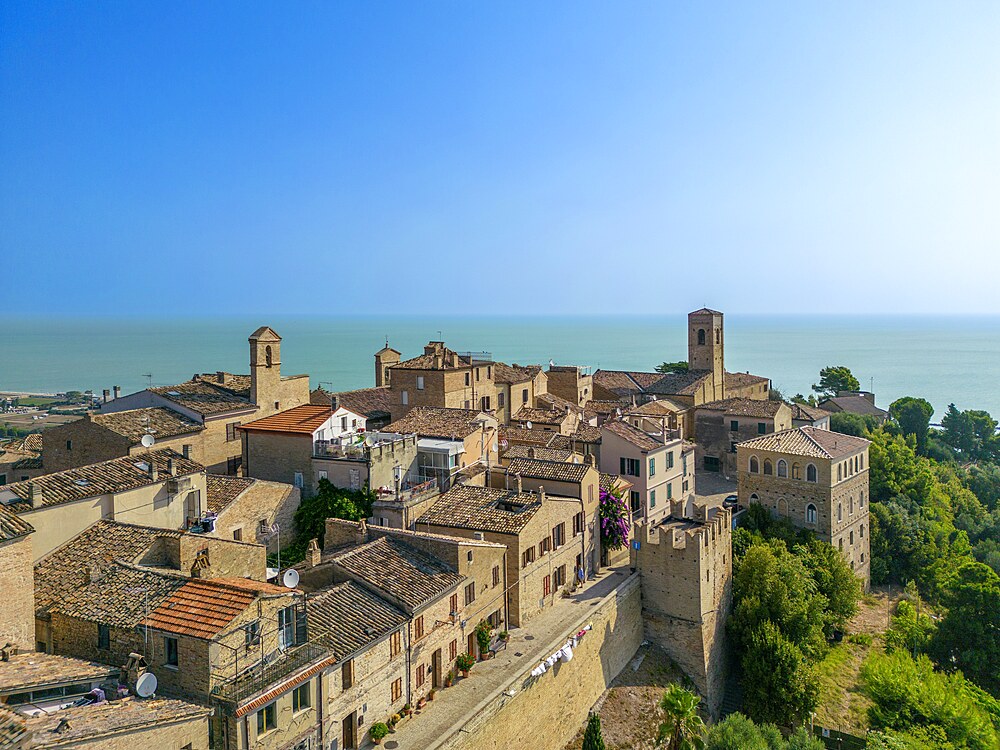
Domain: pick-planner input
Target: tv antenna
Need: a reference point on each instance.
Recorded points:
(149, 379)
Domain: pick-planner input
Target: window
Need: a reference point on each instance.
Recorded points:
(761, 428)
(652, 467)
(861, 531)
(496, 575)
(395, 644)
(796, 471)
(811, 514)
(418, 627)
(103, 636)
(301, 697)
(484, 403)
(405, 397)
(544, 546)
(701, 337)
(297, 479)
(267, 718)
(69, 445)
(343, 424)
(811, 473)
(546, 585)
(652, 498)
(397, 689)
(850, 505)
(251, 634)
(782, 468)
(754, 465)
(286, 627)
(453, 650)
(238, 534)
(347, 674)
(670, 459)
(420, 382)
(527, 557)
(231, 433)
(635, 500)
(861, 500)
(560, 576)
(670, 490)
(170, 649)
(840, 512)
(524, 396)
(578, 524)
(467, 381)
(477, 374)
(862, 557)
(852, 536)
(500, 400)
(839, 476)
(767, 467)
(629, 466)
(489, 371)
(453, 605)
(419, 675)
(233, 464)
(734, 425)
(559, 536)
(186, 448)
(470, 593)
(840, 544)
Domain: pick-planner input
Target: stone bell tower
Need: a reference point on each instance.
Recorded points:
(265, 367)
(385, 358)
(706, 347)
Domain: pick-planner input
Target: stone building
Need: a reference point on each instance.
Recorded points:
(17, 620)
(818, 480)
(657, 465)
(720, 425)
(161, 488)
(573, 383)
(372, 403)
(439, 378)
(246, 509)
(517, 386)
(544, 536)
(804, 415)
(855, 402)
(685, 566)
(221, 401)
(21, 458)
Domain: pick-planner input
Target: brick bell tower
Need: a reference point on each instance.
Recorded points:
(265, 366)
(706, 347)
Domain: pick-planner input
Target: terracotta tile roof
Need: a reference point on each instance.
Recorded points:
(745, 407)
(13, 730)
(117, 475)
(303, 420)
(68, 568)
(587, 433)
(222, 490)
(483, 509)
(348, 617)
(804, 411)
(158, 421)
(504, 374)
(602, 408)
(522, 436)
(679, 383)
(35, 670)
(237, 384)
(552, 401)
(743, 379)
(545, 454)
(31, 462)
(31, 443)
(854, 405)
(203, 608)
(625, 382)
(808, 441)
(12, 526)
(659, 408)
(556, 471)
(540, 416)
(634, 435)
(88, 724)
(118, 595)
(433, 421)
(451, 360)
(374, 403)
(204, 398)
(407, 575)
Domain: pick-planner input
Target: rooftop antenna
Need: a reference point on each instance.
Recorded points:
(149, 379)
(440, 337)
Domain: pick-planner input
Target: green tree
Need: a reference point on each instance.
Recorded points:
(914, 417)
(739, 732)
(779, 684)
(328, 502)
(834, 379)
(682, 728)
(672, 367)
(803, 739)
(592, 738)
(971, 433)
(859, 425)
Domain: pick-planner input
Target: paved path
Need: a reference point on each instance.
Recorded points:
(437, 721)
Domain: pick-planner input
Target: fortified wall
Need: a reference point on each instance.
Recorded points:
(685, 566)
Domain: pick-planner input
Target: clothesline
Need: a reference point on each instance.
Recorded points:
(563, 654)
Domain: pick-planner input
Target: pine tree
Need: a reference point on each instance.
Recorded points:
(592, 739)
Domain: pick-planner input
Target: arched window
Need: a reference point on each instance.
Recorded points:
(861, 500)
(862, 531)
(852, 536)
(862, 460)
(267, 356)
(839, 477)
(754, 498)
(701, 337)
(754, 465)
(767, 467)
(796, 471)
(811, 473)
(811, 514)
(850, 505)
(782, 468)
(841, 544)
(718, 335)
(840, 512)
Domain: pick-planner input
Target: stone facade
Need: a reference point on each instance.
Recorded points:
(685, 565)
(446, 380)
(260, 506)
(17, 615)
(575, 384)
(716, 437)
(706, 351)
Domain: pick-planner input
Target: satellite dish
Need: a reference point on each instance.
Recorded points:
(291, 578)
(528, 425)
(147, 441)
(145, 686)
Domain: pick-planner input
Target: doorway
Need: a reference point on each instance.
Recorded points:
(350, 736)
(436, 669)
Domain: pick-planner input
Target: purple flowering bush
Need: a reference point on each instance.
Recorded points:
(615, 520)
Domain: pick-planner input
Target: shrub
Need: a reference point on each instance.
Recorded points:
(592, 738)
(379, 731)
(483, 630)
(465, 662)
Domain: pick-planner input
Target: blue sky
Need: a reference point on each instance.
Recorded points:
(481, 158)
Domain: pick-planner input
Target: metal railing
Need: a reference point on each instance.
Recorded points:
(259, 678)
(409, 493)
(330, 449)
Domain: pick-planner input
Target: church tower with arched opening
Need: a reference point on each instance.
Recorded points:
(706, 347)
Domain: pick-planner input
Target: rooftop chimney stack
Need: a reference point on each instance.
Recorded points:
(520, 487)
(36, 494)
(531, 452)
(118, 391)
(153, 473)
(107, 395)
(313, 554)
(171, 467)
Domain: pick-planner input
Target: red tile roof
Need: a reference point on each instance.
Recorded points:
(203, 608)
(304, 419)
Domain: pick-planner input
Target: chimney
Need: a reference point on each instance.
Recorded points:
(438, 361)
(591, 459)
(35, 490)
(541, 494)
(154, 475)
(171, 467)
(220, 377)
(313, 553)
(517, 479)
(362, 531)
(107, 395)
(118, 391)
(531, 452)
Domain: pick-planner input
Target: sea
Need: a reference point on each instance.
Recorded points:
(946, 359)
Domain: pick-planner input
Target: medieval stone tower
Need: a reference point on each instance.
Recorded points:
(686, 568)
(265, 367)
(706, 347)
(384, 359)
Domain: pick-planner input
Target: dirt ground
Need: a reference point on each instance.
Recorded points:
(629, 710)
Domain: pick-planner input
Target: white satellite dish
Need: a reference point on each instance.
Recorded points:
(145, 686)
(528, 425)
(147, 441)
(291, 578)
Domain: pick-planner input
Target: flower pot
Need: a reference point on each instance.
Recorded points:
(465, 673)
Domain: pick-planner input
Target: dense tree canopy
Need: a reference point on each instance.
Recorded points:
(834, 379)
(913, 415)
(672, 367)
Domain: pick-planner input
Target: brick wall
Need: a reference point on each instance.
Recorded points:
(273, 502)
(192, 732)
(17, 582)
(278, 456)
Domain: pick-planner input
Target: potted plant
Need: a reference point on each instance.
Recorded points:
(504, 635)
(464, 662)
(449, 678)
(421, 702)
(378, 732)
(483, 631)
(430, 694)
(407, 709)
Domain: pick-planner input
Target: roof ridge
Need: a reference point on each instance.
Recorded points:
(813, 440)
